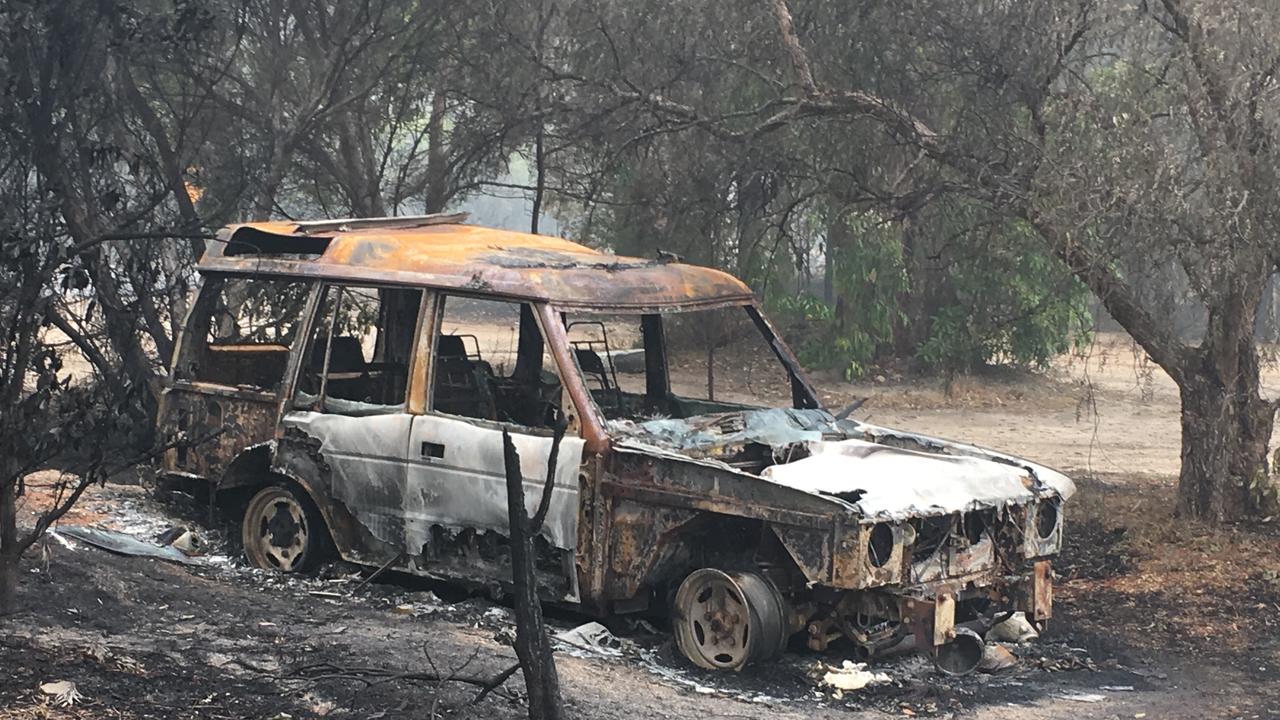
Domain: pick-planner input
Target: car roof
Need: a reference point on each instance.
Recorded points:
(440, 251)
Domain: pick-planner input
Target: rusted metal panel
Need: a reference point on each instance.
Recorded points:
(853, 566)
(480, 260)
(1042, 591)
(639, 541)
(586, 415)
(423, 343)
(215, 424)
(669, 478)
(944, 618)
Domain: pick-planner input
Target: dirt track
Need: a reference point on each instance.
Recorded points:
(1184, 616)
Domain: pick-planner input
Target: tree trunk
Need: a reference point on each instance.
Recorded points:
(8, 549)
(1226, 428)
(8, 584)
(437, 166)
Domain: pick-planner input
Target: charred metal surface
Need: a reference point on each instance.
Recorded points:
(863, 565)
(641, 544)
(811, 551)
(802, 393)
(215, 423)
(661, 478)
(465, 257)
(661, 509)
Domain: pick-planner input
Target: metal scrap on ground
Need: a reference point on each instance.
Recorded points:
(122, 544)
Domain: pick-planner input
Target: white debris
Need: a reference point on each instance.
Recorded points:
(593, 638)
(1083, 697)
(852, 676)
(189, 542)
(63, 691)
(1016, 629)
(53, 533)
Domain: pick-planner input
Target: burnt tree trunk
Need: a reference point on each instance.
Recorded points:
(1226, 428)
(8, 548)
(533, 647)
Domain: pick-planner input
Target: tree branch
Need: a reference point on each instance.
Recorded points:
(795, 51)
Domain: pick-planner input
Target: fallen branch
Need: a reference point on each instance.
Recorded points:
(371, 676)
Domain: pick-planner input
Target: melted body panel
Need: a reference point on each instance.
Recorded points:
(474, 259)
(457, 478)
(400, 496)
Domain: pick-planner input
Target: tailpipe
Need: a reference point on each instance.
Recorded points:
(962, 655)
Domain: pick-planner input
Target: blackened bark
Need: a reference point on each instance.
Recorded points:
(8, 584)
(9, 552)
(540, 181)
(533, 647)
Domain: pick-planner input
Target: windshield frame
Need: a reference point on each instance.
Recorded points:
(803, 394)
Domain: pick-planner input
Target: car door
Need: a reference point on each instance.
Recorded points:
(488, 374)
(349, 402)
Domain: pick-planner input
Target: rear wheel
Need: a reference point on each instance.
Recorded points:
(283, 531)
(725, 620)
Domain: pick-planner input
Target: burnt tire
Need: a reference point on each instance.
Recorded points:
(283, 531)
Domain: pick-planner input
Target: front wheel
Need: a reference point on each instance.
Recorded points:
(725, 620)
(283, 531)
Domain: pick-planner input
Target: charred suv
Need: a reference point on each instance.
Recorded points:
(343, 386)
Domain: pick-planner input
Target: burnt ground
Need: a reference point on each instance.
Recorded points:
(1154, 620)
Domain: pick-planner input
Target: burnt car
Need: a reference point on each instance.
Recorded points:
(343, 386)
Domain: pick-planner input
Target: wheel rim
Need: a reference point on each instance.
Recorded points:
(278, 532)
(723, 621)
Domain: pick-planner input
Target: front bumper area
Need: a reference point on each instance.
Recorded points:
(926, 616)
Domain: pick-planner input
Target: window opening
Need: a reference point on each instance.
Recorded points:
(242, 330)
(677, 364)
(358, 359)
(490, 363)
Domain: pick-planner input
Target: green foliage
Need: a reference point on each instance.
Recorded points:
(1011, 304)
(995, 298)
(869, 279)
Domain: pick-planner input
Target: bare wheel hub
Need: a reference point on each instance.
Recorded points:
(276, 531)
(725, 620)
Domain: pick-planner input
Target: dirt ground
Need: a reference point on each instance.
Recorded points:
(1155, 617)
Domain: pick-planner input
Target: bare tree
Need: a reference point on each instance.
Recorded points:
(1125, 139)
(1120, 142)
(533, 647)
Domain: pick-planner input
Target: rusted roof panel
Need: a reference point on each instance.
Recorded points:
(470, 258)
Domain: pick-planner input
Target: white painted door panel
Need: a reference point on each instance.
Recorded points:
(456, 478)
(367, 471)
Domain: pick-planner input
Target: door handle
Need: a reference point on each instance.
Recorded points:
(432, 450)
